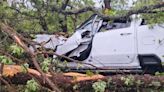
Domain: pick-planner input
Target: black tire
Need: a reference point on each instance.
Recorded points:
(150, 63)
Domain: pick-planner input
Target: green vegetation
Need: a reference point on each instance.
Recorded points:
(30, 17)
(5, 60)
(99, 86)
(32, 86)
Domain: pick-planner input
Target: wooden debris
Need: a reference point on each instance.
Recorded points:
(78, 77)
(11, 70)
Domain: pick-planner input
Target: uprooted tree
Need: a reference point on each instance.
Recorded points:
(20, 20)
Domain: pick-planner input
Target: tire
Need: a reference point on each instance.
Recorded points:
(150, 63)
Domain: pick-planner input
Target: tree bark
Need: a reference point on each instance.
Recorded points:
(13, 34)
(63, 23)
(107, 4)
(64, 20)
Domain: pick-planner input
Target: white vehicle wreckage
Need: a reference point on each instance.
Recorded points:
(127, 44)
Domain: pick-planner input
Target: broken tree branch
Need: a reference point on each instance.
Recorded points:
(3, 80)
(16, 60)
(68, 58)
(17, 39)
(144, 9)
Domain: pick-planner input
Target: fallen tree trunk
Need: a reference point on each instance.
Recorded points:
(14, 75)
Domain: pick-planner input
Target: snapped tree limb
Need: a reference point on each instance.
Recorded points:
(144, 9)
(16, 60)
(17, 39)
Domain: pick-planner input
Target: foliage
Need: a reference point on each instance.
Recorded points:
(120, 5)
(129, 80)
(16, 50)
(5, 60)
(89, 73)
(32, 86)
(99, 86)
(159, 74)
(151, 18)
(45, 64)
(24, 67)
(34, 16)
(59, 66)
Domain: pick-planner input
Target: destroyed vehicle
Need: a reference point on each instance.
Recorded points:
(123, 44)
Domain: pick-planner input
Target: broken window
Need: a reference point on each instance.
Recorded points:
(116, 24)
(93, 24)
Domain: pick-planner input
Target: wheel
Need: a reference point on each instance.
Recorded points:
(150, 63)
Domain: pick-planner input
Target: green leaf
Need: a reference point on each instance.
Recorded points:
(99, 86)
(89, 73)
(24, 67)
(5, 60)
(45, 64)
(16, 50)
(32, 86)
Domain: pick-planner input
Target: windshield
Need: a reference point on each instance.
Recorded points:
(89, 20)
(92, 24)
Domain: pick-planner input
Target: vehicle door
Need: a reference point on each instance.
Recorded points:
(115, 46)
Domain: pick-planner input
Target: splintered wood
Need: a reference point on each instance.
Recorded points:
(11, 70)
(78, 77)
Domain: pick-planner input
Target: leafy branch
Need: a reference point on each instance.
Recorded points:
(144, 9)
(32, 55)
